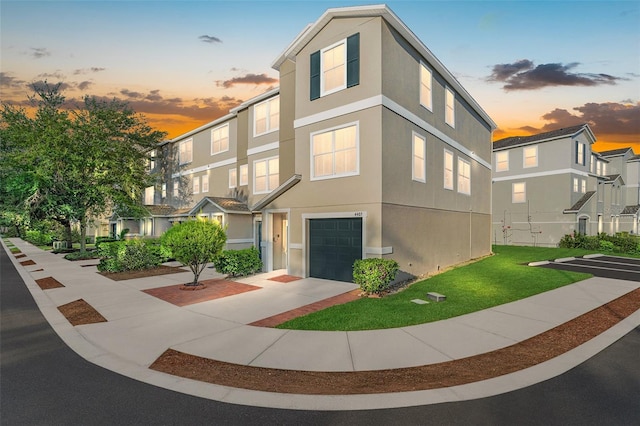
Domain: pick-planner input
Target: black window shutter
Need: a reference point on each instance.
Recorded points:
(315, 75)
(577, 159)
(353, 60)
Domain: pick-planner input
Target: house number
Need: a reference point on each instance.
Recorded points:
(358, 214)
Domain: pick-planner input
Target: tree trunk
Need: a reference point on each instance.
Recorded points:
(83, 236)
(67, 234)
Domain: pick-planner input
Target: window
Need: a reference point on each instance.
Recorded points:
(530, 155)
(244, 174)
(233, 178)
(164, 190)
(583, 187)
(450, 113)
(464, 176)
(196, 184)
(592, 167)
(335, 67)
(448, 169)
(418, 169)
(599, 168)
(152, 159)
(580, 154)
(205, 183)
(426, 99)
(604, 168)
(266, 116)
(519, 192)
(176, 188)
(217, 217)
(185, 152)
(334, 153)
(266, 175)
(502, 161)
(220, 139)
(148, 195)
(575, 184)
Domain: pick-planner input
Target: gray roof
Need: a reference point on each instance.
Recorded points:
(160, 210)
(525, 140)
(224, 204)
(630, 210)
(615, 152)
(581, 202)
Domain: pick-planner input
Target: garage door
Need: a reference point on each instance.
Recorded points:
(334, 244)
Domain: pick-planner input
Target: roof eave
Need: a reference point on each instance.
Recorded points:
(276, 193)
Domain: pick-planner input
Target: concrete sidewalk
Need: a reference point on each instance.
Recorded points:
(140, 328)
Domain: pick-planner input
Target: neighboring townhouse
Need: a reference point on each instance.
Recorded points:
(552, 184)
(370, 147)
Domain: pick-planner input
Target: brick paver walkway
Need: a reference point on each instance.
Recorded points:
(307, 309)
(215, 289)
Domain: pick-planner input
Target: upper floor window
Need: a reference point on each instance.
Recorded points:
(176, 188)
(502, 161)
(335, 67)
(599, 168)
(592, 167)
(530, 156)
(205, 183)
(244, 174)
(448, 169)
(149, 193)
(220, 139)
(426, 99)
(196, 184)
(464, 176)
(266, 175)
(266, 116)
(519, 192)
(418, 169)
(334, 153)
(575, 184)
(583, 187)
(185, 151)
(152, 159)
(164, 190)
(450, 112)
(580, 154)
(233, 178)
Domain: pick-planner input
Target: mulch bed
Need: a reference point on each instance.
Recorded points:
(28, 263)
(496, 363)
(129, 275)
(48, 283)
(18, 256)
(80, 312)
(209, 290)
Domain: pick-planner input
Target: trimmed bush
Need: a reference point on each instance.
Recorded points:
(238, 263)
(131, 255)
(619, 243)
(39, 238)
(81, 255)
(374, 275)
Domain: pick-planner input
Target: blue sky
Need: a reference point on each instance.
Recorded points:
(533, 66)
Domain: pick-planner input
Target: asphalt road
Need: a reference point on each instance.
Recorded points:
(619, 268)
(43, 382)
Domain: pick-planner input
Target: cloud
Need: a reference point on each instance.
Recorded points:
(10, 82)
(84, 85)
(209, 39)
(57, 75)
(523, 75)
(88, 70)
(40, 52)
(256, 79)
(43, 84)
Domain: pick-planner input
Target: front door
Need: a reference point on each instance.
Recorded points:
(582, 226)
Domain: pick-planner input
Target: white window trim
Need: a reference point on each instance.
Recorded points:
(424, 67)
(195, 179)
(444, 167)
(233, 181)
(344, 85)
(453, 107)
(164, 190)
(513, 194)
(332, 129)
(583, 186)
(498, 162)
(524, 157)
(268, 103)
(205, 178)
(245, 181)
(576, 185)
(413, 155)
(228, 139)
(190, 140)
(462, 160)
(268, 174)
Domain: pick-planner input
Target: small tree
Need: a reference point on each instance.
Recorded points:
(195, 243)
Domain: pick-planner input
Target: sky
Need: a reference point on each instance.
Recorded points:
(533, 66)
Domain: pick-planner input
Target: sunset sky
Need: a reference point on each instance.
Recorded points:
(533, 66)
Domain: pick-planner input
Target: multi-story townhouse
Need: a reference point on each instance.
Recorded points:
(369, 148)
(552, 184)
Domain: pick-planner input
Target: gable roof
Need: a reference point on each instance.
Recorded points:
(542, 137)
(581, 202)
(160, 209)
(630, 210)
(616, 152)
(225, 205)
(387, 14)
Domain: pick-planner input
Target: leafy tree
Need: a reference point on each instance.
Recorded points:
(72, 163)
(195, 243)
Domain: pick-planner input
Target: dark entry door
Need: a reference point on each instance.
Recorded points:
(334, 244)
(582, 226)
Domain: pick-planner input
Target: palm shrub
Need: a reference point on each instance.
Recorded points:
(195, 243)
(374, 275)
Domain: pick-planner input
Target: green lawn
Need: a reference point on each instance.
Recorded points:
(492, 281)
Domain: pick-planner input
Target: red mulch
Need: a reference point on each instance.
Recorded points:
(214, 289)
(285, 278)
(503, 361)
(80, 312)
(18, 256)
(48, 283)
(28, 263)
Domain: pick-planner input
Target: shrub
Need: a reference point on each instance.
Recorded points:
(606, 245)
(132, 255)
(81, 255)
(374, 275)
(239, 262)
(39, 238)
(100, 240)
(195, 243)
